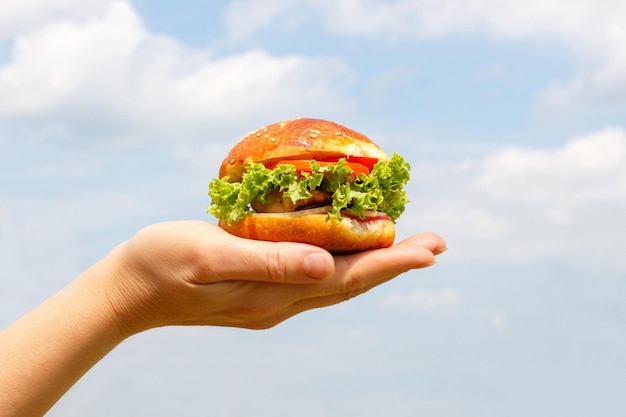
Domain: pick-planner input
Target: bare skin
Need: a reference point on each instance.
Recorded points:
(181, 273)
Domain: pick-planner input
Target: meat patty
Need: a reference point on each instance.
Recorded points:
(277, 203)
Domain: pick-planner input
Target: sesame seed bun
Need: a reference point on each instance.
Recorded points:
(297, 139)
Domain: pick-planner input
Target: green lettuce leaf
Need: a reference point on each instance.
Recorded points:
(382, 190)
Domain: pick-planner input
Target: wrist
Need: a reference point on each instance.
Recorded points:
(124, 297)
(99, 287)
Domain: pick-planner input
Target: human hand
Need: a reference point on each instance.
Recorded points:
(181, 273)
(185, 273)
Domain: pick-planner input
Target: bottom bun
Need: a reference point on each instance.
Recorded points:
(347, 235)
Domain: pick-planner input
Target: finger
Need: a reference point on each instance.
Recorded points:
(287, 262)
(280, 262)
(347, 288)
(360, 272)
(432, 241)
(372, 268)
(357, 274)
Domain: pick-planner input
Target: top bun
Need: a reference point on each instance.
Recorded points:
(297, 139)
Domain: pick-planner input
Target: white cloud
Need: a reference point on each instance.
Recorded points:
(245, 18)
(421, 300)
(107, 75)
(409, 19)
(592, 32)
(17, 16)
(528, 204)
(588, 169)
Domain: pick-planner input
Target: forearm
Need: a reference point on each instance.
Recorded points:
(45, 352)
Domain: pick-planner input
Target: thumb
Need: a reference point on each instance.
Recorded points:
(283, 262)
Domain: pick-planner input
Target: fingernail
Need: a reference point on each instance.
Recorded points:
(317, 265)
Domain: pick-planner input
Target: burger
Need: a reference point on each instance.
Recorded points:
(312, 181)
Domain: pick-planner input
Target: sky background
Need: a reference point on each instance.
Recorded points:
(116, 114)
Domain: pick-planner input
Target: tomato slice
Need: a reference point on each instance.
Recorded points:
(363, 160)
(304, 165)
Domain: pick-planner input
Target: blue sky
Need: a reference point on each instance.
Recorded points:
(115, 114)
